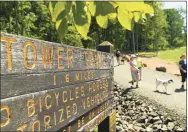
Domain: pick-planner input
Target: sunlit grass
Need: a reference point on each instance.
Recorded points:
(172, 55)
(169, 55)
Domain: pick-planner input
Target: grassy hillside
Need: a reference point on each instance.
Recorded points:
(170, 55)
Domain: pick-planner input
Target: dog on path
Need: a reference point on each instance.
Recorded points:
(165, 83)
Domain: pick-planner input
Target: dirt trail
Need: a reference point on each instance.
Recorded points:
(152, 63)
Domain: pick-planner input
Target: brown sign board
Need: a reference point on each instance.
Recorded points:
(112, 121)
(84, 122)
(13, 84)
(90, 126)
(47, 86)
(26, 55)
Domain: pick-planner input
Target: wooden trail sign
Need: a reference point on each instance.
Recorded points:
(47, 86)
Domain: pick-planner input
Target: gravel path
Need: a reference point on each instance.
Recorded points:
(175, 100)
(136, 113)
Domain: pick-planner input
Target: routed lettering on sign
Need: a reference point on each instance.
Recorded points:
(12, 85)
(47, 86)
(26, 55)
(53, 107)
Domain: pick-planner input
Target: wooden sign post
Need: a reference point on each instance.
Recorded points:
(109, 123)
(47, 86)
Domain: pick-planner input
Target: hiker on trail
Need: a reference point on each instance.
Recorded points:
(118, 54)
(139, 65)
(183, 69)
(134, 70)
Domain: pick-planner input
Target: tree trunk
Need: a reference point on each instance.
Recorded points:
(126, 42)
(129, 41)
(22, 15)
(137, 43)
(156, 46)
(133, 42)
(136, 38)
(17, 17)
(144, 44)
(98, 38)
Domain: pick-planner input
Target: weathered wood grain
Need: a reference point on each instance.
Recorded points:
(79, 99)
(70, 58)
(14, 85)
(90, 119)
(47, 86)
(91, 125)
(112, 121)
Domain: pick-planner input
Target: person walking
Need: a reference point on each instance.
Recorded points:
(134, 70)
(139, 65)
(118, 54)
(183, 70)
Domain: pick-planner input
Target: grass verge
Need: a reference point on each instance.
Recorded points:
(170, 55)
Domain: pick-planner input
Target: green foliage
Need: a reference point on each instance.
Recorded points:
(169, 54)
(30, 19)
(33, 19)
(103, 11)
(153, 34)
(162, 43)
(172, 54)
(175, 28)
(81, 18)
(72, 37)
(94, 23)
(62, 24)
(126, 23)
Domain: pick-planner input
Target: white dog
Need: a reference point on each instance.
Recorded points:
(165, 83)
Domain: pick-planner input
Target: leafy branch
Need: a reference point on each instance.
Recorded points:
(80, 13)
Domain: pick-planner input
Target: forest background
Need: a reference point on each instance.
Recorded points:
(165, 30)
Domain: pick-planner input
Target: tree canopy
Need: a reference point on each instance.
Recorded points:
(80, 12)
(175, 28)
(130, 30)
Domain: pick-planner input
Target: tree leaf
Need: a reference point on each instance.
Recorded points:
(137, 7)
(132, 6)
(105, 11)
(58, 9)
(144, 16)
(62, 27)
(52, 6)
(102, 21)
(137, 16)
(104, 8)
(125, 18)
(148, 9)
(113, 21)
(114, 3)
(92, 7)
(65, 12)
(82, 18)
(61, 10)
(112, 16)
(70, 17)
